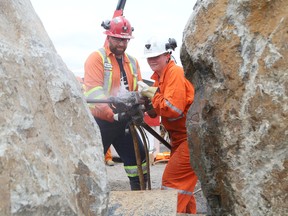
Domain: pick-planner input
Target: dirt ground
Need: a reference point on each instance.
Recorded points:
(118, 181)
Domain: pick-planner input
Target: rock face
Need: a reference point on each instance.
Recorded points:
(51, 155)
(235, 53)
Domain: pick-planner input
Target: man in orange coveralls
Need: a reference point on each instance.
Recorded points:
(110, 71)
(171, 96)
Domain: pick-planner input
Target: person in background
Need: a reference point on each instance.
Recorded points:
(110, 71)
(171, 96)
(108, 158)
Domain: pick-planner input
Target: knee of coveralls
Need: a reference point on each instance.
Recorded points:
(179, 175)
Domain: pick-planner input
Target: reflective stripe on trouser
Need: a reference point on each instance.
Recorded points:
(186, 202)
(179, 175)
(132, 171)
(114, 133)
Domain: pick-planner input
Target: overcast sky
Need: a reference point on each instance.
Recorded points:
(74, 26)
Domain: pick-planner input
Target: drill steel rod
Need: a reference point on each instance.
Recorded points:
(99, 101)
(138, 156)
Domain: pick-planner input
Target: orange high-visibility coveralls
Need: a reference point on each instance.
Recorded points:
(172, 101)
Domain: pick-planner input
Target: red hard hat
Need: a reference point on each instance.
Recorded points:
(118, 27)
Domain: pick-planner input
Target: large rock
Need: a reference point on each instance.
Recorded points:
(51, 155)
(235, 53)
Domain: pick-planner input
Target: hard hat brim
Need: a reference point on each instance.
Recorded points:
(118, 35)
(151, 55)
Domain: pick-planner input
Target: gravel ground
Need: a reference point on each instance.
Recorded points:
(118, 181)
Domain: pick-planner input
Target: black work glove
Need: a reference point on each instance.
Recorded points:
(149, 108)
(147, 104)
(152, 113)
(117, 105)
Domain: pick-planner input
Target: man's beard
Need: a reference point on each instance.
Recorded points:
(117, 52)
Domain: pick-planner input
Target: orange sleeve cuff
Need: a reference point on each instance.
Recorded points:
(109, 115)
(103, 112)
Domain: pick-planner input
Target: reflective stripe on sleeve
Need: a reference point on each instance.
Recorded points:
(95, 93)
(181, 114)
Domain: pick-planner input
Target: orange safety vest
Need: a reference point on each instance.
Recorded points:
(102, 79)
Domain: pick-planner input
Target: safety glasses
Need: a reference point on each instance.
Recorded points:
(119, 40)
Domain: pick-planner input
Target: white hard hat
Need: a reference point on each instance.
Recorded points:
(155, 47)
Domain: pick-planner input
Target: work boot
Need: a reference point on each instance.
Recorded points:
(110, 163)
(135, 183)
